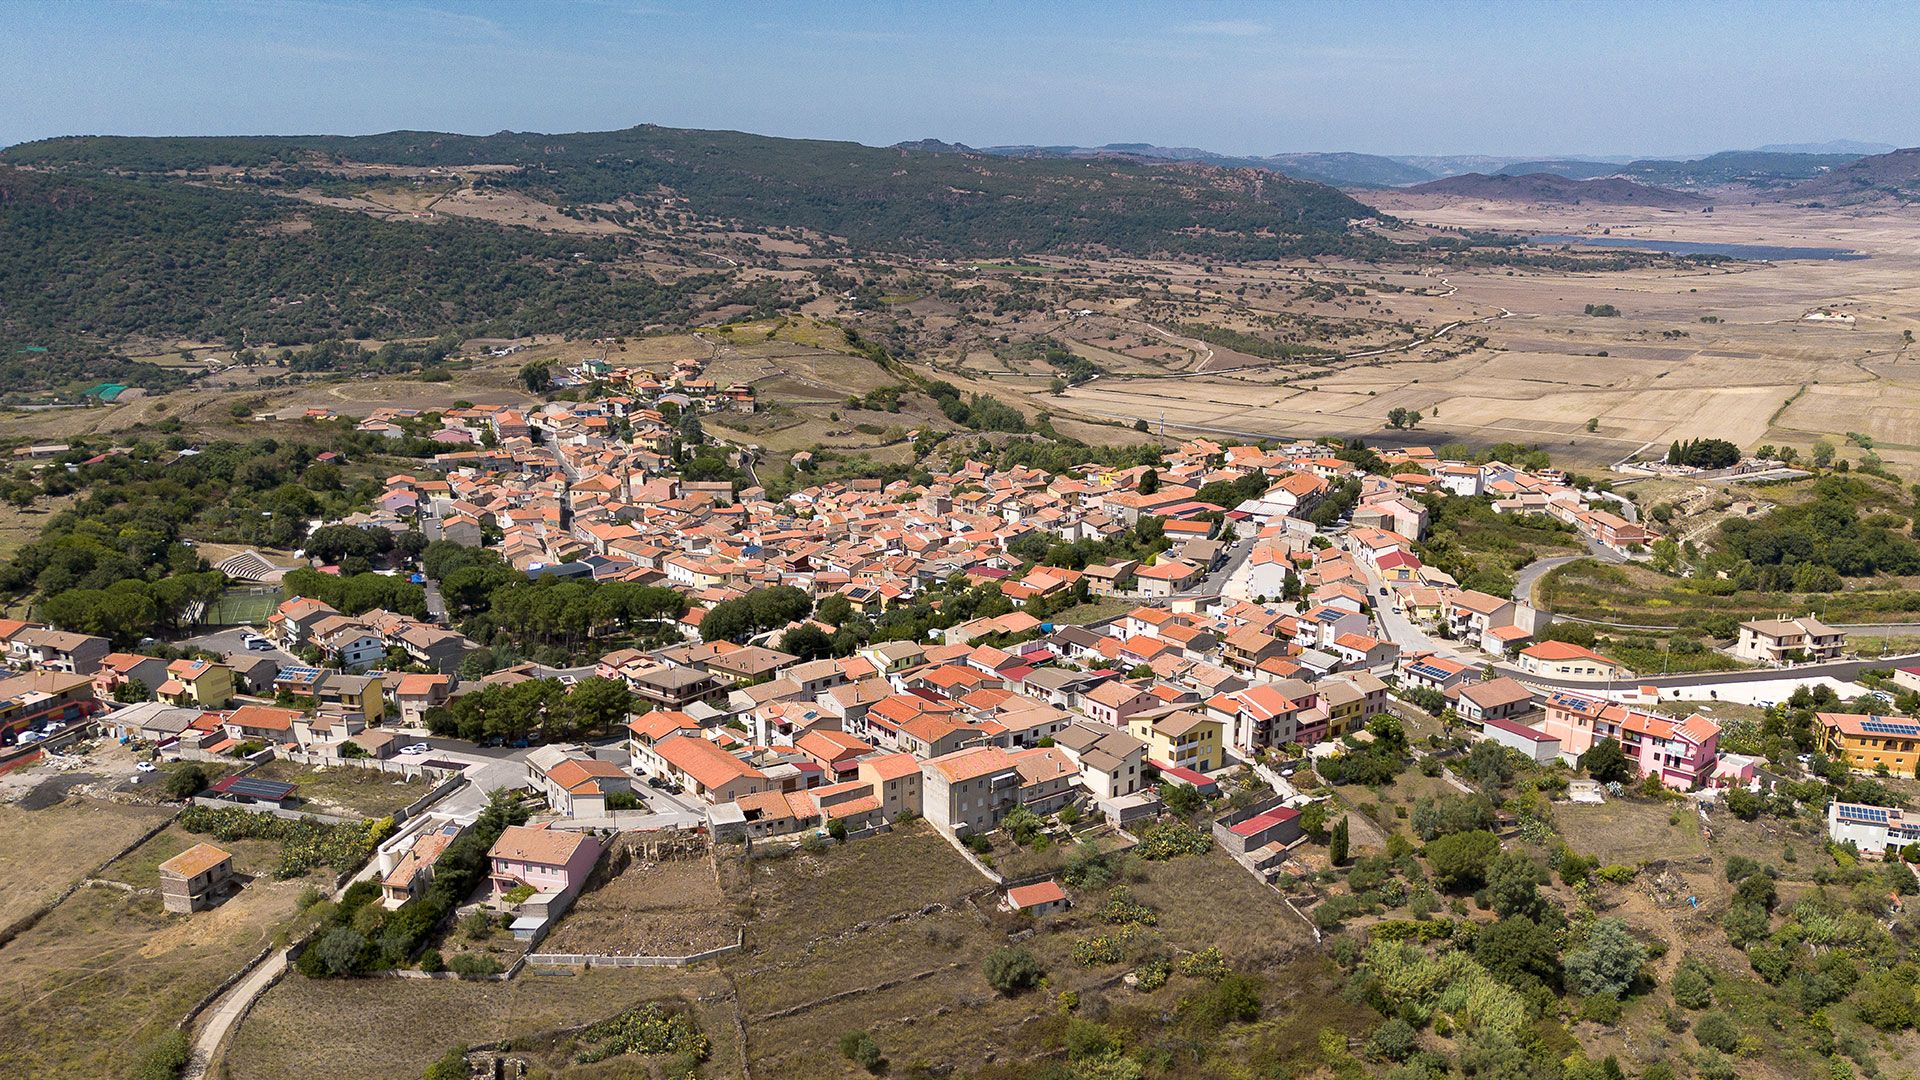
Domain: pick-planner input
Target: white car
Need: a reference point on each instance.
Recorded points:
(416, 748)
(145, 766)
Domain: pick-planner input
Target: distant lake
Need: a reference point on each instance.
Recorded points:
(1752, 252)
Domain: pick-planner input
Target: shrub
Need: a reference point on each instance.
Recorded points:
(859, 1048)
(165, 1059)
(1235, 998)
(1205, 964)
(470, 965)
(1608, 962)
(1172, 839)
(648, 1030)
(453, 1066)
(1691, 987)
(186, 782)
(431, 961)
(1151, 975)
(1393, 1040)
(1096, 950)
(1012, 970)
(1123, 909)
(1717, 1030)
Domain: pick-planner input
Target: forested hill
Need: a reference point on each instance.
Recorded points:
(98, 258)
(881, 199)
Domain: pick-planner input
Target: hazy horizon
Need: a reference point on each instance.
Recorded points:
(1453, 79)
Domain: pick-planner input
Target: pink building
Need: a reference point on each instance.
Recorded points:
(548, 860)
(1682, 752)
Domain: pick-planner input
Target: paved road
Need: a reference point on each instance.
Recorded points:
(1401, 630)
(226, 1012)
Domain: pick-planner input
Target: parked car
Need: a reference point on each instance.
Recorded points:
(416, 748)
(145, 766)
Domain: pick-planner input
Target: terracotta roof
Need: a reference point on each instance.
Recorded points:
(534, 844)
(195, 861)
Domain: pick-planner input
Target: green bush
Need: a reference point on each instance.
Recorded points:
(648, 1030)
(859, 1048)
(165, 1059)
(470, 965)
(1717, 1030)
(1172, 839)
(1691, 987)
(1096, 950)
(1012, 970)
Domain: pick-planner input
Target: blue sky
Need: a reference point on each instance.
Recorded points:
(1383, 77)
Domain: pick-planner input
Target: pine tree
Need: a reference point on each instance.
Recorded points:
(1337, 847)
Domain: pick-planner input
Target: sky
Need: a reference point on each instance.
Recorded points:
(1561, 78)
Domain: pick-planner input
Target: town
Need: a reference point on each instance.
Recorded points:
(1201, 650)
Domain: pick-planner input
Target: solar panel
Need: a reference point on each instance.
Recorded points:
(1883, 727)
(251, 788)
(1864, 813)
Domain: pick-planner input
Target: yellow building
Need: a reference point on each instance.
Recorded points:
(197, 684)
(1870, 743)
(352, 695)
(1187, 739)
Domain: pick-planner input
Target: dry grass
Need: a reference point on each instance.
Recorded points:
(669, 908)
(93, 985)
(44, 851)
(345, 790)
(1631, 831)
(380, 1029)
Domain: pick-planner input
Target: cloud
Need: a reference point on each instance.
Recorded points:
(1225, 28)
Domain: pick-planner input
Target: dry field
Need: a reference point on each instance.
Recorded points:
(344, 790)
(92, 986)
(1654, 373)
(44, 851)
(669, 908)
(382, 1029)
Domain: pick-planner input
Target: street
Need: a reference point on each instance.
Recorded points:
(1401, 630)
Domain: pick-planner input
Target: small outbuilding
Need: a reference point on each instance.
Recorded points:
(192, 880)
(1040, 898)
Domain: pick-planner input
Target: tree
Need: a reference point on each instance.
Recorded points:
(807, 641)
(1012, 970)
(536, 377)
(339, 951)
(1606, 762)
(186, 781)
(859, 1048)
(1607, 962)
(131, 691)
(1822, 453)
(1513, 885)
(1460, 860)
(1337, 846)
(1519, 952)
(1149, 482)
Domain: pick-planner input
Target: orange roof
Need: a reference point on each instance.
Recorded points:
(661, 723)
(1555, 651)
(264, 717)
(891, 766)
(1044, 892)
(195, 861)
(709, 765)
(537, 844)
